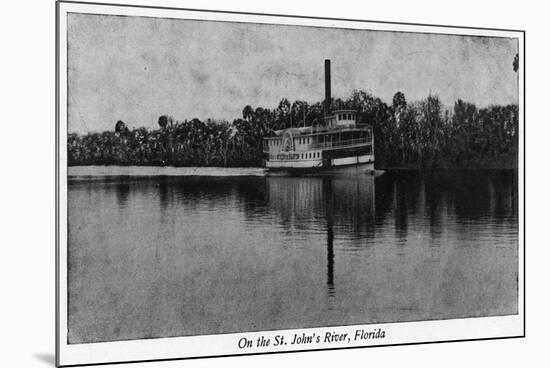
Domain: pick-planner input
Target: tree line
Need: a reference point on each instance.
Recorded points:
(421, 134)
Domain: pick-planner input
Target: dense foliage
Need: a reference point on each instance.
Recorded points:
(422, 134)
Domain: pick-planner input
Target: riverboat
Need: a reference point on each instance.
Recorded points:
(337, 143)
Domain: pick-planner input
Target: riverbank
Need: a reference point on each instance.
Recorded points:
(145, 171)
(75, 171)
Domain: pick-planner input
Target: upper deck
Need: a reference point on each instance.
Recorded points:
(341, 118)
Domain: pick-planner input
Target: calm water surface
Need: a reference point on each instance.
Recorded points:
(174, 256)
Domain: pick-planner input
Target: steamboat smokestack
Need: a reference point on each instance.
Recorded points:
(327, 87)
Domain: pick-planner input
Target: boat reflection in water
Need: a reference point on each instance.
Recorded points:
(176, 256)
(314, 201)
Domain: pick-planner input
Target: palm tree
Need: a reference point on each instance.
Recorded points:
(120, 127)
(163, 121)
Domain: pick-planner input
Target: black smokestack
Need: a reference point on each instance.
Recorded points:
(327, 86)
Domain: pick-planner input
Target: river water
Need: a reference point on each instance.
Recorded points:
(164, 256)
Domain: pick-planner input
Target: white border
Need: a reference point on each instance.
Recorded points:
(226, 344)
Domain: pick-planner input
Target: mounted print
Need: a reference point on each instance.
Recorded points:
(234, 183)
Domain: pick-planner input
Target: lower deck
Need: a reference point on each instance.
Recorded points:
(320, 163)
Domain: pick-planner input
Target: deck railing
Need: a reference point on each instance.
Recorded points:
(341, 144)
(347, 143)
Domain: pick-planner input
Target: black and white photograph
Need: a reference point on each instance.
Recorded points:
(233, 183)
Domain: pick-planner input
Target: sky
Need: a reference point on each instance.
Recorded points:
(135, 69)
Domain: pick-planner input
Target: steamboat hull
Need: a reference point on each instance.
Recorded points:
(366, 168)
(339, 165)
